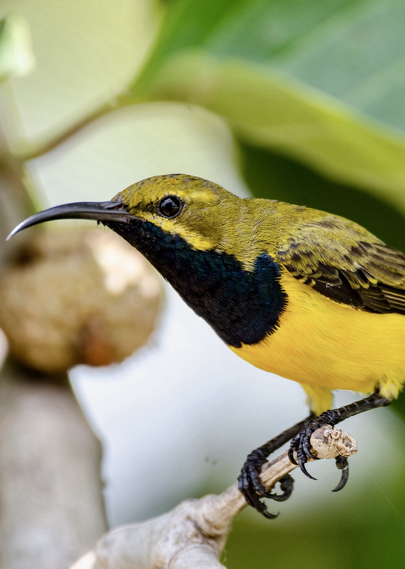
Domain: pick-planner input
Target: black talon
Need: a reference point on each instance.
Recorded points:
(301, 463)
(302, 446)
(342, 464)
(249, 482)
(269, 515)
(286, 486)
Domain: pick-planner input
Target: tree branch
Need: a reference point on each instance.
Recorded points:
(50, 488)
(193, 535)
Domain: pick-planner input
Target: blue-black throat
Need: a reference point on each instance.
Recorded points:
(242, 307)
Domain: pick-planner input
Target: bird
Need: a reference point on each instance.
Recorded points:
(305, 294)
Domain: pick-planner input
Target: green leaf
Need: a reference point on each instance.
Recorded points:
(296, 76)
(352, 50)
(251, 29)
(268, 111)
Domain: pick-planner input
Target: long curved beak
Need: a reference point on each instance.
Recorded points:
(100, 211)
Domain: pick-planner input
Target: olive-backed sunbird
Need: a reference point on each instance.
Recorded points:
(302, 293)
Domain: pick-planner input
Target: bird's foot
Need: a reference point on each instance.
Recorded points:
(301, 445)
(252, 489)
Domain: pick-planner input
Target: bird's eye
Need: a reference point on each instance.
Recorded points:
(170, 206)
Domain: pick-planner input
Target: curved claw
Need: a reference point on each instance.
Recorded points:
(302, 459)
(286, 486)
(253, 500)
(268, 514)
(343, 465)
(301, 444)
(252, 489)
(301, 464)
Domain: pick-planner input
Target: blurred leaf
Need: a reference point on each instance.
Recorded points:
(399, 406)
(186, 25)
(283, 73)
(332, 543)
(16, 55)
(351, 50)
(250, 29)
(266, 111)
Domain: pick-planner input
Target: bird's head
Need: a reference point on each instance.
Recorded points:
(154, 211)
(176, 204)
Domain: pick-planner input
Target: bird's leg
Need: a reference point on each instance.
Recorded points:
(301, 442)
(249, 478)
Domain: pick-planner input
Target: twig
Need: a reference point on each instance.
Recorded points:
(193, 535)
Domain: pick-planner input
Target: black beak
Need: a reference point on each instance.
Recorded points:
(100, 211)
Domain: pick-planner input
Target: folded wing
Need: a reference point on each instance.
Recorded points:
(346, 263)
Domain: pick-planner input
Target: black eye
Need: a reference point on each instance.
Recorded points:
(170, 206)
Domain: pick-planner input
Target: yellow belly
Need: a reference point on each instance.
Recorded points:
(324, 345)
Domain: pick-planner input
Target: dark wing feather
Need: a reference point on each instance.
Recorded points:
(346, 263)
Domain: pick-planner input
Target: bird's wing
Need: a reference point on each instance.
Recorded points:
(346, 263)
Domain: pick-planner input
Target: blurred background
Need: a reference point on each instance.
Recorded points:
(297, 101)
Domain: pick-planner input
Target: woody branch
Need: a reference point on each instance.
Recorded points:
(195, 532)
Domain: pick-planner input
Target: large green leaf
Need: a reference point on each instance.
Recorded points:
(257, 30)
(297, 76)
(350, 49)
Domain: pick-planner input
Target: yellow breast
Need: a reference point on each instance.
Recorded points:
(325, 345)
